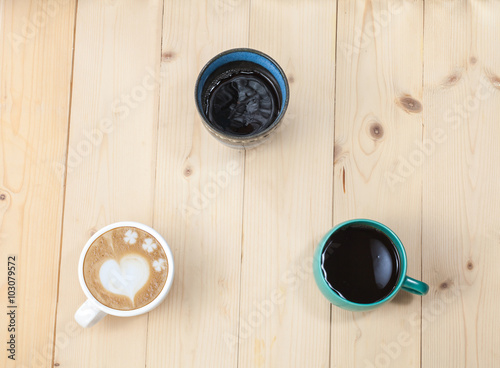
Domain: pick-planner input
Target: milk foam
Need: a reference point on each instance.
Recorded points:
(125, 268)
(127, 277)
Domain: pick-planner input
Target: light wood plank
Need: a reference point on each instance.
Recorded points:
(199, 196)
(461, 204)
(284, 320)
(35, 76)
(280, 204)
(111, 162)
(378, 126)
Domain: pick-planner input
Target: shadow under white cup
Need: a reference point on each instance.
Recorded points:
(92, 311)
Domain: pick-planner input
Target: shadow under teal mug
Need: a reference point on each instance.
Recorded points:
(369, 267)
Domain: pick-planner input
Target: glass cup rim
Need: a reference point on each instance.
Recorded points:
(397, 244)
(234, 137)
(166, 287)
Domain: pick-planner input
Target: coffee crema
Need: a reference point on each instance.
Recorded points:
(125, 268)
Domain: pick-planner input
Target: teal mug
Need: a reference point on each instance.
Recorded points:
(403, 282)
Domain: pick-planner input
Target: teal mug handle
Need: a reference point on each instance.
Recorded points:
(414, 286)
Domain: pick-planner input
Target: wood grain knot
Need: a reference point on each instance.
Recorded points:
(167, 56)
(4, 201)
(188, 171)
(495, 81)
(470, 265)
(92, 231)
(409, 104)
(376, 131)
(444, 285)
(56, 364)
(452, 79)
(291, 79)
(473, 60)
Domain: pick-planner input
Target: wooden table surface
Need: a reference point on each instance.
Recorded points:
(394, 115)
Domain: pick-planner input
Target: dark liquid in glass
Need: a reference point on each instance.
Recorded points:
(241, 98)
(360, 263)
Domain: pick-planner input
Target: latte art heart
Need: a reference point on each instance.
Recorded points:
(125, 268)
(125, 278)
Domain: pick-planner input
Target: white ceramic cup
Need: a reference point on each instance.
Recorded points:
(92, 311)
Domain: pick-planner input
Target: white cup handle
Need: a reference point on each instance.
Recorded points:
(88, 314)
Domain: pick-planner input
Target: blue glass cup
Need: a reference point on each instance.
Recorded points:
(230, 58)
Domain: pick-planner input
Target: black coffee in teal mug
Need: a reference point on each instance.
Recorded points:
(361, 264)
